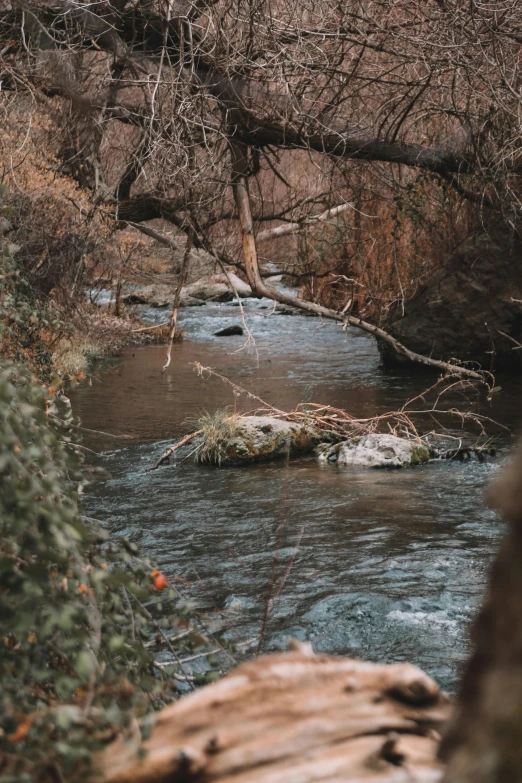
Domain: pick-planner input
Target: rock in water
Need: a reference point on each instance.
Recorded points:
(375, 451)
(228, 331)
(254, 438)
(217, 288)
(212, 288)
(155, 295)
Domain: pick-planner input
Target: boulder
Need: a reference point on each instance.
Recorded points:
(229, 331)
(375, 451)
(213, 288)
(156, 295)
(216, 288)
(159, 295)
(236, 439)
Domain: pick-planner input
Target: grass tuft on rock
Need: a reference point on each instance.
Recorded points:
(219, 429)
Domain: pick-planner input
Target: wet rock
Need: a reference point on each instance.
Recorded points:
(213, 288)
(134, 298)
(375, 451)
(254, 438)
(216, 288)
(190, 301)
(158, 295)
(238, 603)
(282, 309)
(229, 331)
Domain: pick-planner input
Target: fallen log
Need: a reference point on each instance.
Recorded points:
(293, 717)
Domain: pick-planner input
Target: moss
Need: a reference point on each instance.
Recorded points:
(303, 439)
(420, 454)
(241, 448)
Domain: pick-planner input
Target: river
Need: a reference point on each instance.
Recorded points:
(382, 565)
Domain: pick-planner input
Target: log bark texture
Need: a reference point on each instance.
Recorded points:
(295, 718)
(483, 743)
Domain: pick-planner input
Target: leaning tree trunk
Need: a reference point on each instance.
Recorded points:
(470, 309)
(484, 741)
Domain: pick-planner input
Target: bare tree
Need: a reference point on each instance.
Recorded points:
(287, 112)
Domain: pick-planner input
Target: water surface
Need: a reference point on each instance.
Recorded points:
(381, 565)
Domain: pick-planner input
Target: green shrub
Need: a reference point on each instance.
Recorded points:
(73, 665)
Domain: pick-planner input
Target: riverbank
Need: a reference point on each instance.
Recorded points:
(94, 334)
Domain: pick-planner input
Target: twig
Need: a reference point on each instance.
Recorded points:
(517, 344)
(175, 638)
(177, 296)
(171, 449)
(149, 328)
(165, 638)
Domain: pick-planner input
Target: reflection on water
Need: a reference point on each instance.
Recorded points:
(381, 565)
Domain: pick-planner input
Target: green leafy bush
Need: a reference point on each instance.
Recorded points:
(83, 619)
(73, 665)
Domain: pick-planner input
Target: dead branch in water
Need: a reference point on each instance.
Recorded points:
(171, 449)
(240, 170)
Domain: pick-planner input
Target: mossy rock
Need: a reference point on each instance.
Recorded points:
(229, 440)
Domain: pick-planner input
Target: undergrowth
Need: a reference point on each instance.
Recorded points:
(83, 619)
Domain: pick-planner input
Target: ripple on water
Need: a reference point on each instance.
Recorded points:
(363, 563)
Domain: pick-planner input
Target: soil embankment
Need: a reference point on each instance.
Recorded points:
(471, 309)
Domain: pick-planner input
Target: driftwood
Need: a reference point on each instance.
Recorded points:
(294, 717)
(171, 449)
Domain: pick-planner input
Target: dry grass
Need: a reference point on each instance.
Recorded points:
(218, 429)
(72, 355)
(413, 421)
(96, 333)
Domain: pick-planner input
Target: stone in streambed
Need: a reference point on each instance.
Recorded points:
(217, 288)
(375, 451)
(159, 295)
(229, 331)
(212, 288)
(238, 439)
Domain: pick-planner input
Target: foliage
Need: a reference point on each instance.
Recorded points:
(49, 336)
(58, 231)
(26, 320)
(75, 608)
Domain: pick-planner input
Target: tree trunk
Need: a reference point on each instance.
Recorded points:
(484, 741)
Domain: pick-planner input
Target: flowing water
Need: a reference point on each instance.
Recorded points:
(383, 565)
